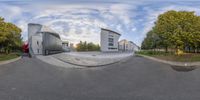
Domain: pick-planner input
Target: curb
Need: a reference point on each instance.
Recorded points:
(172, 63)
(9, 61)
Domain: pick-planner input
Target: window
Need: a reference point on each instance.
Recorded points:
(110, 44)
(37, 43)
(112, 48)
(110, 35)
(110, 39)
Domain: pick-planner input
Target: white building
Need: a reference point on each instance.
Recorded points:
(43, 40)
(65, 46)
(109, 40)
(125, 45)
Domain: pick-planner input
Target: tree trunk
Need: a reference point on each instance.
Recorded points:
(189, 49)
(195, 50)
(166, 49)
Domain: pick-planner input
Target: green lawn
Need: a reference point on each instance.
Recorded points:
(4, 57)
(187, 57)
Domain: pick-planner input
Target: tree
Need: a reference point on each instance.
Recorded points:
(84, 46)
(151, 41)
(79, 46)
(10, 36)
(178, 29)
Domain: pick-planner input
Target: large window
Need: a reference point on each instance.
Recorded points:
(110, 41)
(112, 48)
(110, 44)
(37, 43)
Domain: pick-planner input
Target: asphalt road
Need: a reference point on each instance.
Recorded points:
(134, 79)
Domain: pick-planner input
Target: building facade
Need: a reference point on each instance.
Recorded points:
(109, 40)
(125, 45)
(43, 40)
(65, 46)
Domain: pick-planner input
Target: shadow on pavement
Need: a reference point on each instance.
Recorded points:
(183, 68)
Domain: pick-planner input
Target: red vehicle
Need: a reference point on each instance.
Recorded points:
(25, 48)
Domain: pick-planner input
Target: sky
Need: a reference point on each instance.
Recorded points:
(82, 20)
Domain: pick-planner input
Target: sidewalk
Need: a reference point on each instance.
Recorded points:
(91, 59)
(56, 62)
(173, 63)
(9, 61)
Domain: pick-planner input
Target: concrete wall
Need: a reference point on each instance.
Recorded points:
(42, 39)
(51, 43)
(36, 44)
(104, 41)
(33, 29)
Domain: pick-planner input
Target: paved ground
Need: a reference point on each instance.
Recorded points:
(135, 79)
(89, 59)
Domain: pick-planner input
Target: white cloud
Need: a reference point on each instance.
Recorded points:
(10, 12)
(134, 29)
(153, 14)
(76, 21)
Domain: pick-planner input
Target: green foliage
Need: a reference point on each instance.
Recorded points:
(84, 46)
(174, 29)
(4, 57)
(151, 41)
(153, 53)
(188, 57)
(10, 36)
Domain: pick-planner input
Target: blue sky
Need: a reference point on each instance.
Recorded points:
(77, 20)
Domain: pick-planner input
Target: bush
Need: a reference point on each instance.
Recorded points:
(152, 53)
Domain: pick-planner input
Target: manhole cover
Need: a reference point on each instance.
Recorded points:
(183, 68)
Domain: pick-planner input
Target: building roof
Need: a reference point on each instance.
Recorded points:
(45, 29)
(65, 41)
(34, 24)
(110, 31)
(123, 40)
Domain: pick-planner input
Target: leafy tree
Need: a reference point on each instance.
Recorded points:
(178, 29)
(10, 36)
(151, 41)
(84, 46)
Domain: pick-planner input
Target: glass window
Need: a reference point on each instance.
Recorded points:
(110, 44)
(110, 39)
(110, 36)
(37, 43)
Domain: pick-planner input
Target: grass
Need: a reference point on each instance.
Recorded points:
(186, 57)
(4, 57)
